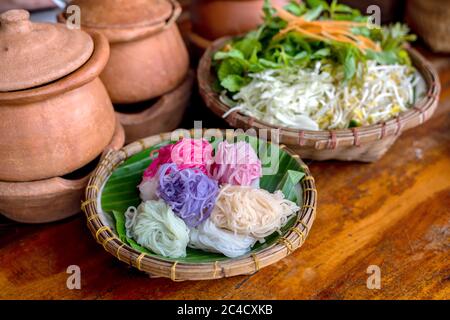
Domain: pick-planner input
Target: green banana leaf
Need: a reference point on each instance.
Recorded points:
(120, 192)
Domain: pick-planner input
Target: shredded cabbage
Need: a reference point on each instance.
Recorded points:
(318, 98)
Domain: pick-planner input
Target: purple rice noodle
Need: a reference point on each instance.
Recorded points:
(189, 192)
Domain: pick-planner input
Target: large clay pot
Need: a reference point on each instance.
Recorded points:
(55, 113)
(148, 55)
(212, 19)
(51, 199)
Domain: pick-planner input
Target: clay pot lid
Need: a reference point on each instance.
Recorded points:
(123, 13)
(34, 54)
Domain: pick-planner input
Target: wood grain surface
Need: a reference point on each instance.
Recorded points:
(394, 214)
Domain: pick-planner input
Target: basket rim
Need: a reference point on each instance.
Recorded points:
(180, 271)
(419, 112)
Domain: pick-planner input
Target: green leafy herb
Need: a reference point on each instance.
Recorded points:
(392, 39)
(233, 82)
(260, 49)
(231, 67)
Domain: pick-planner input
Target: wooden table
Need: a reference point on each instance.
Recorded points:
(394, 214)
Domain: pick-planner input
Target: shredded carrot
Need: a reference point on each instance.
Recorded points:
(326, 30)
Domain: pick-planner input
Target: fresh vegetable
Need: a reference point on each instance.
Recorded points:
(326, 30)
(297, 38)
(313, 99)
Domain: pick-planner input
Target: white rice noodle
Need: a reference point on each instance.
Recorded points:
(155, 226)
(208, 237)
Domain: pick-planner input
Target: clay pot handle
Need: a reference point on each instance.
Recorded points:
(15, 21)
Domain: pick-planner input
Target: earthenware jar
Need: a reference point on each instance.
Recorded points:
(55, 113)
(163, 114)
(212, 19)
(55, 198)
(148, 55)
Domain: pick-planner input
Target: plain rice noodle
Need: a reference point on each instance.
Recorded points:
(155, 226)
(252, 212)
(148, 188)
(208, 237)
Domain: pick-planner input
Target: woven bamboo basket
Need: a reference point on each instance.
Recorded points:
(366, 144)
(431, 20)
(177, 271)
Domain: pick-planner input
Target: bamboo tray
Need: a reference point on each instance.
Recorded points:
(158, 266)
(51, 199)
(163, 115)
(367, 143)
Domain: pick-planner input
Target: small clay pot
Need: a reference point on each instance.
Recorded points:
(51, 199)
(161, 116)
(212, 19)
(148, 55)
(59, 124)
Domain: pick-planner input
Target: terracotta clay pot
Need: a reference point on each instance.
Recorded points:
(51, 199)
(148, 55)
(55, 125)
(200, 43)
(212, 19)
(162, 116)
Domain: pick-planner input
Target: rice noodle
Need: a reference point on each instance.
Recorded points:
(237, 164)
(148, 188)
(208, 237)
(253, 212)
(190, 193)
(155, 226)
